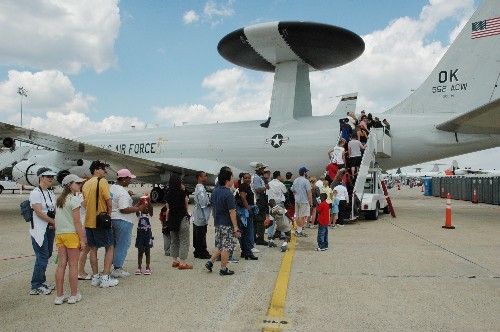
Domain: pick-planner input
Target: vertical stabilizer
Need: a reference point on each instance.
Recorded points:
(346, 104)
(468, 74)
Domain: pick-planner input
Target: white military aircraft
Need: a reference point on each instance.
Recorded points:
(433, 172)
(455, 111)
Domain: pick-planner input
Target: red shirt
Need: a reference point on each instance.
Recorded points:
(332, 170)
(324, 213)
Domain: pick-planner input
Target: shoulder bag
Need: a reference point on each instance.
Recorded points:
(103, 220)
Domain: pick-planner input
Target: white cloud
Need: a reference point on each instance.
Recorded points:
(213, 9)
(236, 97)
(62, 35)
(75, 124)
(190, 17)
(48, 91)
(213, 13)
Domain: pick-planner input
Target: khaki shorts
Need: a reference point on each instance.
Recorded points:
(68, 240)
(302, 209)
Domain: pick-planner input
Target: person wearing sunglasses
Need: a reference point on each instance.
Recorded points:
(42, 229)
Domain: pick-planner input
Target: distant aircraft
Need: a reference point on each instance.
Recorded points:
(433, 172)
(455, 111)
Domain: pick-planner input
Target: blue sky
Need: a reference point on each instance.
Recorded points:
(104, 65)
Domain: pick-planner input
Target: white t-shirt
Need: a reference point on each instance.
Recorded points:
(276, 191)
(39, 225)
(342, 194)
(121, 199)
(82, 209)
(337, 153)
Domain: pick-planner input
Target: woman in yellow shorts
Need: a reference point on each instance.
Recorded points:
(70, 238)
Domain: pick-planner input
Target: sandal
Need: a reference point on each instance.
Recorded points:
(87, 277)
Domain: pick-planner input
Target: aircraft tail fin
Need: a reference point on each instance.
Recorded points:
(435, 168)
(454, 165)
(468, 74)
(346, 104)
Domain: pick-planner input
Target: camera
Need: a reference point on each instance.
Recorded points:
(51, 214)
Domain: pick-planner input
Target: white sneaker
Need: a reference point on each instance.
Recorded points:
(96, 280)
(118, 273)
(40, 291)
(61, 299)
(107, 281)
(74, 299)
(255, 250)
(48, 286)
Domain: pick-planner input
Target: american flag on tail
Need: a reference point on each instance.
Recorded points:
(486, 28)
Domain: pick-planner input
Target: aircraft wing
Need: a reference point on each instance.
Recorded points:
(483, 120)
(139, 166)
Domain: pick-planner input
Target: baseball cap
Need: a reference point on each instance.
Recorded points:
(71, 178)
(288, 174)
(97, 164)
(45, 171)
(125, 173)
(303, 169)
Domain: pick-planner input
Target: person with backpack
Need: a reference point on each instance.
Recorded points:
(42, 230)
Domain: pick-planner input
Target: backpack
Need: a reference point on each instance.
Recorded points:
(26, 211)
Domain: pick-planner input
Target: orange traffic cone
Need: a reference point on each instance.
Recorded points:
(442, 193)
(474, 197)
(423, 185)
(399, 185)
(447, 223)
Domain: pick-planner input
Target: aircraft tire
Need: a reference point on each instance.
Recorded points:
(386, 210)
(373, 214)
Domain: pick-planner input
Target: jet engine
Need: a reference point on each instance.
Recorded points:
(25, 173)
(8, 142)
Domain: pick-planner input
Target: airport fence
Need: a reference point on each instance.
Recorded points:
(485, 188)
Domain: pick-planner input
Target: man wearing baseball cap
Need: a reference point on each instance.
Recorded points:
(122, 218)
(97, 237)
(42, 230)
(301, 189)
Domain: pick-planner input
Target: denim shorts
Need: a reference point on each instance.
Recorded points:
(99, 237)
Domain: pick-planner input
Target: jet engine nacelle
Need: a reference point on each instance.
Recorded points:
(8, 142)
(25, 173)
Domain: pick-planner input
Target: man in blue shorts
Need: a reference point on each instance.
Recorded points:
(96, 237)
(226, 226)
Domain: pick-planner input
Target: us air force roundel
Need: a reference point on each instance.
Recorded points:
(276, 140)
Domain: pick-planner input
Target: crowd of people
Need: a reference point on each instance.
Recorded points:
(91, 215)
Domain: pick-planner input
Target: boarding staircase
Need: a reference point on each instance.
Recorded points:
(378, 146)
(9, 157)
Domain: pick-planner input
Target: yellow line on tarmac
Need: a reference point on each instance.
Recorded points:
(277, 306)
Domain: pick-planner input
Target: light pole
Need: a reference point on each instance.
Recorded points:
(23, 93)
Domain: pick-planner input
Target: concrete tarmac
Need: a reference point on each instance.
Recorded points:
(393, 274)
